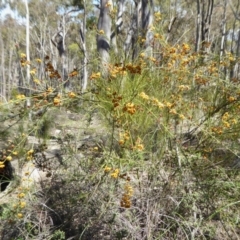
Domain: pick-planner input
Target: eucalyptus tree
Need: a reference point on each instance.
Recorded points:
(139, 34)
(12, 36)
(118, 26)
(104, 30)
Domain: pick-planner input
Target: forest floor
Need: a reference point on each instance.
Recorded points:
(68, 196)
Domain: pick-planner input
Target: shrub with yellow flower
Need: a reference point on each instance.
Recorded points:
(71, 95)
(95, 76)
(115, 173)
(30, 154)
(130, 108)
(2, 164)
(57, 101)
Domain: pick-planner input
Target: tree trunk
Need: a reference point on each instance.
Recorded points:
(118, 25)
(84, 50)
(28, 102)
(58, 40)
(104, 33)
(203, 25)
(140, 27)
(147, 19)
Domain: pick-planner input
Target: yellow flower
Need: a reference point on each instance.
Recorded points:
(95, 75)
(157, 16)
(9, 158)
(185, 47)
(71, 94)
(107, 169)
(181, 116)
(20, 96)
(234, 121)
(33, 71)
(38, 60)
(101, 32)
(21, 195)
(130, 108)
(115, 174)
(22, 204)
(144, 96)
(56, 101)
(121, 142)
(231, 99)
(2, 165)
(226, 124)
(23, 55)
(128, 189)
(173, 111)
(169, 105)
(19, 215)
(108, 4)
(30, 152)
(183, 87)
(15, 153)
(37, 81)
(49, 90)
(225, 116)
(139, 147)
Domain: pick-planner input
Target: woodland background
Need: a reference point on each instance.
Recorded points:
(129, 113)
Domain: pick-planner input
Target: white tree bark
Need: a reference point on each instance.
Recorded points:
(147, 20)
(2, 73)
(118, 24)
(139, 34)
(104, 32)
(224, 21)
(84, 50)
(28, 55)
(133, 33)
(203, 25)
(58, 40)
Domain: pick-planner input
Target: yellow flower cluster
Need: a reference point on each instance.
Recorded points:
(114, 172)
(183, 87)
(101, 32)
(124, 137)
(33, 71)
(152, 100)
(57, 100)
(144, 96)
(38, 60)
(95, 76)
(2, 165)
(116, 69)
(157, 16)
(130, 108)
(30, 154)
(108, 4)
(21, 204)
(227, 120)
(71, 95)
(9, 158)
(37, 81)
(138, 145)
(185, 48)
(126, 197)
(20, 96)
(232, 99)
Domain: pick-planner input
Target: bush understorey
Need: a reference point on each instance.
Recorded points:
(149, 152)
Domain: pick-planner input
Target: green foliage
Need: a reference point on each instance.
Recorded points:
(150, 151)
(58, 235)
